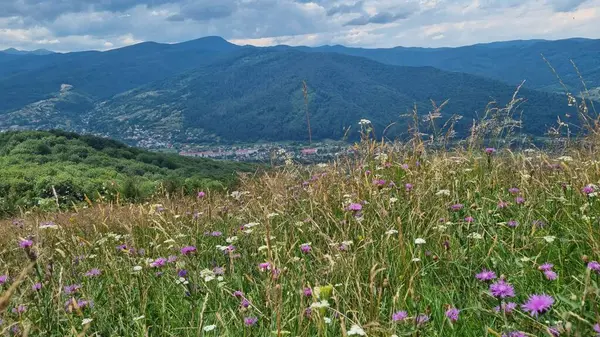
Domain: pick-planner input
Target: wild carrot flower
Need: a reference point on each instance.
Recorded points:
(399, 316)
(506, 308)
(486, 275)
(250, 321)
(502, 289)
(187, 250)
(538, 304)
(25, 243)
(3, 279)
(452, 314)
(93, 272)
(160, 262)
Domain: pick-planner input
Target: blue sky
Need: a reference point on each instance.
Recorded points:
(71, 25)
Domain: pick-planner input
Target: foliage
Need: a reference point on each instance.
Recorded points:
(49, 168)
(334, 250)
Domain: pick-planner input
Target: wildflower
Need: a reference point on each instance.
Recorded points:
(513, 190)
(307, 292)
(264, 266)
(86, 321)
(549, 238)
(305, 248)
(546, 266)
(404, 166)
(538, 304)
(137, 268)
(490, 150)
(172, 258)
(486, 275)
(122, 247)
(588, 189)
(160, 262)
(182, 273)
(594, 265)
(71, 304)
(187, 250)
(250, 321)
(539, 224)
(356, 330)
(469, 219)
(408, 187)
(419, 241)
(550, 275)
(48, 225)
(245, 303)
(456, 207)
(308, 312)
(93, 272)
(514, 334)
(25, 243)
(507, 308)
(554, 331)
(443, 192)
(597, 329)
(238, 293)
(216, 233)
(364, 122)
(19, 309)
(201, 194)
(502, 204)
(452, 314)
(209, 328)
(73, 288)
(3, 279)
(512, 223)
(422, 319)
(391, 232)
(520, 200)
(379, 182)
(354, 207)
(218, 270)
(36, 286)
(399, 316)
(501, 289)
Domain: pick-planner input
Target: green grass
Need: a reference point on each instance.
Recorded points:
(382, 271)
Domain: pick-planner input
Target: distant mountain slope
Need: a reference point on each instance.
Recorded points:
(510, 62)
(100, 75)
(25, 52)
(258, 95)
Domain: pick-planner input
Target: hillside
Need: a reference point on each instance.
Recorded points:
(34, 162)
(258, 95)
(510, 62)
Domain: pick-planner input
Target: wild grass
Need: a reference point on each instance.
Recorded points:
(306, 264)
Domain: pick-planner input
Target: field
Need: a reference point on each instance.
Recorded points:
(394, 242)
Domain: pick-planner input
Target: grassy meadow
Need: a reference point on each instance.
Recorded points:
(392, 242)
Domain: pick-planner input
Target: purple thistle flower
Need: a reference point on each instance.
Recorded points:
(93, 272)
(501, 289)
(469, 219)
(307, 292)
(597, 329)
(25, 243)
(36, 286)
(513, 190)
(550, 275)
(588, 189)
(308, 312)
(250, 321)
(506, 308)
(160, 262)
(245, 303)
(182, 273)
(520, 200)
(379, 182)
(219, 270)
(421, 319)
(238, 293)
(187, 250)
(538, 304)
(305, 248)
(408, 187)
(3, 279)
(554, 331)
(452, 314)
(546, 266)
(201, 194)
(73, 288)
(19, 309)
(594, 265)
(354, 207)
(457, 207)
(512, 223)
(502, 204)
(399, 316)
(264, 266)
(122, 247)
(490, 150)
(486, 275)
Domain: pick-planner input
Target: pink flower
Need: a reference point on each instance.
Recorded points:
(546, 266)
(354, 207)
(452, 314)
(307, 292)
(486, 275)
(502, 289)
(399, 316)
(188, 250)
(264, 266)
(538, 304)
(3, 279)
(161, 261)
(201, 194)
(25, 243)
(250, 321)
(305, 248)
(550, 275)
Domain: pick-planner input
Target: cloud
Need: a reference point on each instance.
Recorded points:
(66, 25)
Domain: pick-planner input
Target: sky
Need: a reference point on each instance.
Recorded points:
(74, 25)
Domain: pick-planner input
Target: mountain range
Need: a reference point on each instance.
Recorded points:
(209, 90)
